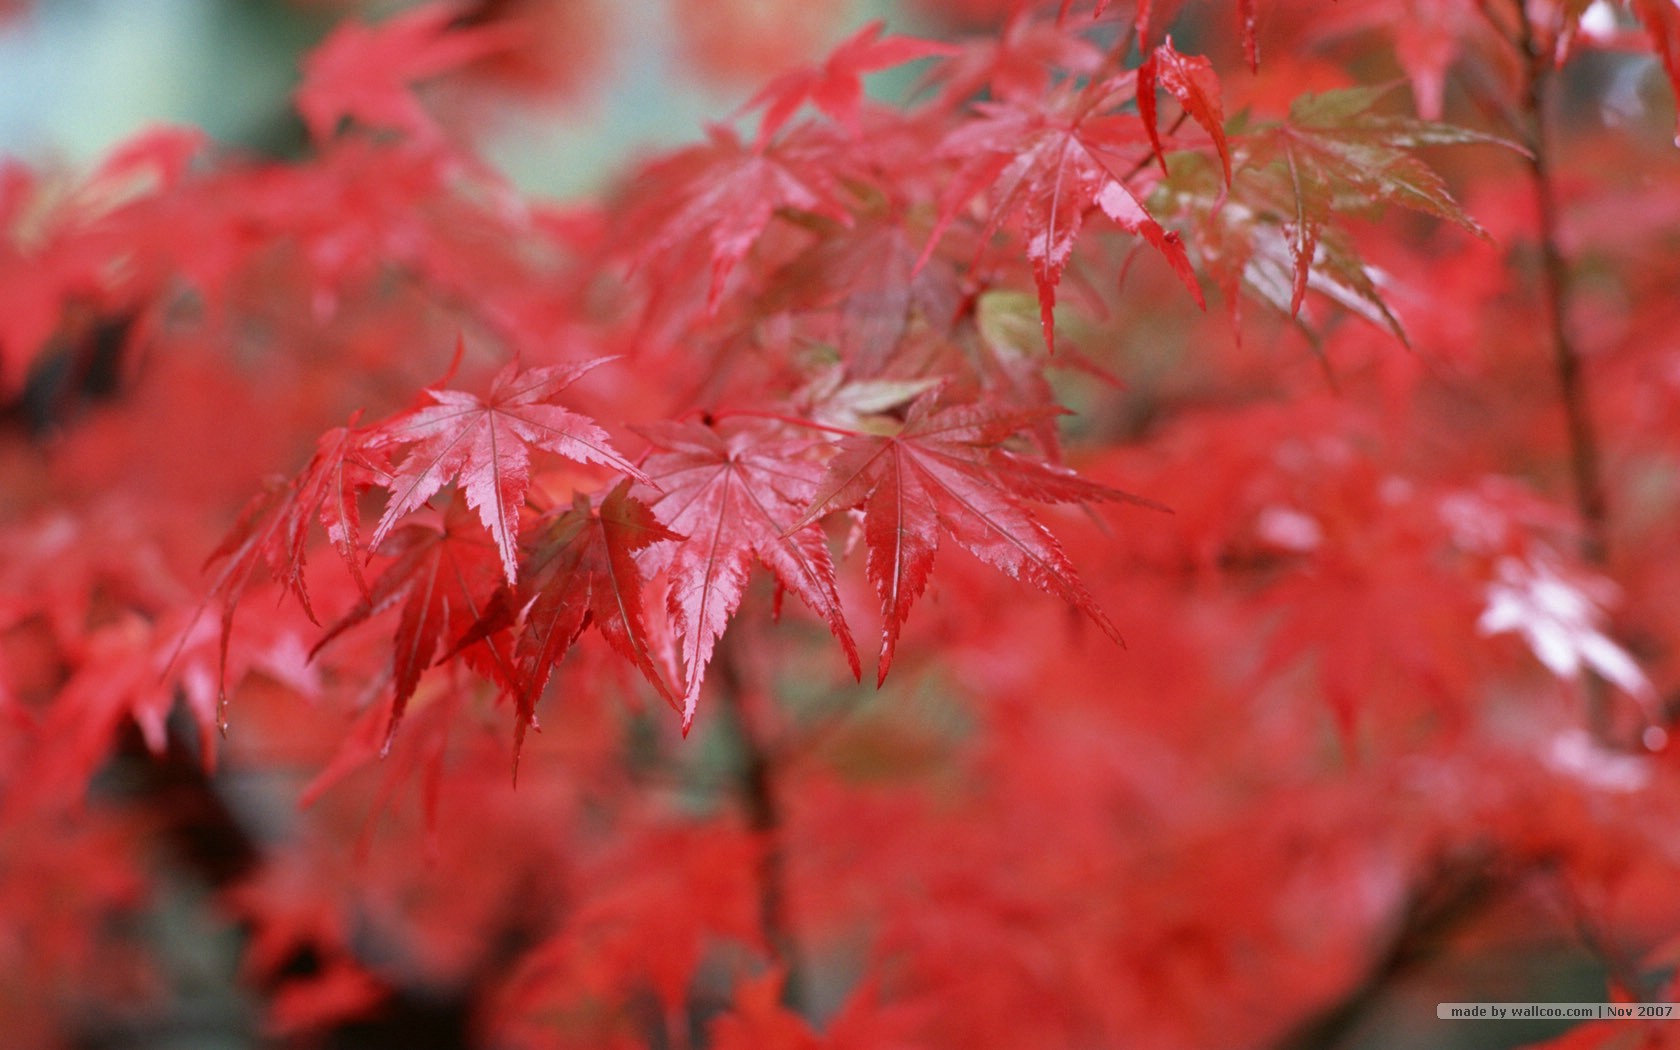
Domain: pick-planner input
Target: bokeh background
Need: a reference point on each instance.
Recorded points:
(602, 81)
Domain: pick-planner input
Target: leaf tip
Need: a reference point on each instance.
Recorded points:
(689, 704)
(390, 735)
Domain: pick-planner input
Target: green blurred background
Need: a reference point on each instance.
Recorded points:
(77, 76)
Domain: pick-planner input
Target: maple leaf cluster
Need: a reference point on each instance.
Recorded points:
(1177, 323)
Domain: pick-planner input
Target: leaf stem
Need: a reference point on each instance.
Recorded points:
(1172, 129)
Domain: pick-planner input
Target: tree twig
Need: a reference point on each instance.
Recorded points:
(1458, 893)
(1584, 458)
(764, 815)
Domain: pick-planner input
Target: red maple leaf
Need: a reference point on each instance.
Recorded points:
(944, 472)
(1018, 62)
(274, 528)
(365, 73)
(655, 902)
(836, 86)
(124, 674)
(1047, 168)
(582, 569)
(734, 498)
(723, 196)
(1429, 37)
(759, 1019)
(57, 242)
(484, 446)
(444, 573)
(868, 285)
(1191, 80)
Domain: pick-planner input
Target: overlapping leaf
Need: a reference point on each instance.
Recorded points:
(1019, 62)
(581, 569)
(274, 529)
(836, 86)
(867, 282)
(1046, 169)
(367, 73)
(945, 474)
(444, 572)
(1429, 38)
(734, 497)
(722, 196)
(1334, 154)
(484, 446)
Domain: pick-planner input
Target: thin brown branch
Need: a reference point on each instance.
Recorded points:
(1451, 900)
(1584, 459)
(758, 773)
(1584, 456)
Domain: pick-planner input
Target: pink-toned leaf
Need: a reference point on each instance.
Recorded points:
(274, 528)
(836, 86)
(484, 446)
(935, 478)
(734, 497)
(722, 196)
(367, 73)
